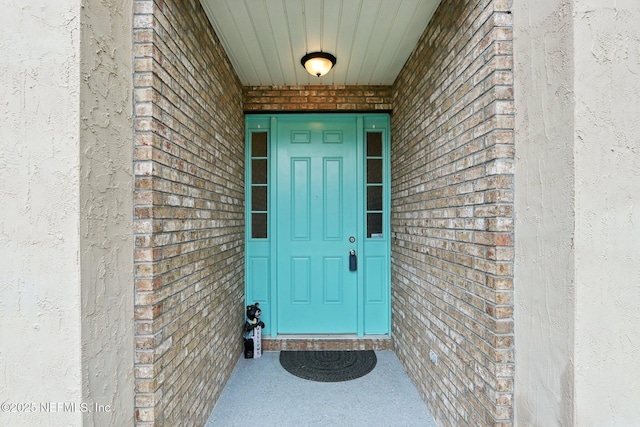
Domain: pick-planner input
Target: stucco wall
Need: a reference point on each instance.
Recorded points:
(607, 203)
(545, 202)
(62, 257)
(106, 210)
(577, 188)
(39, 241)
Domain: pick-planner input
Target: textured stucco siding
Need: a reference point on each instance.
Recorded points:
(545, 202)
(39, 241)
(577, 269)
(66, 219)
(106, 206)
(607, 198)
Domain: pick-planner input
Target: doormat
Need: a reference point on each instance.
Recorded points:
(329, 365)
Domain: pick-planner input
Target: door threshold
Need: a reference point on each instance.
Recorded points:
(301, 342)
(328, 336)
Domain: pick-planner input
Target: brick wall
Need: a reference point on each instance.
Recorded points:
(452, 209)
(189, 214)
(452, 214)
(339, 98)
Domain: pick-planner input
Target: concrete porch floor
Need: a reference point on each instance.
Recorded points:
(260, 392)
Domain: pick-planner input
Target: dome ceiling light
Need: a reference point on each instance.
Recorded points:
(318, 63)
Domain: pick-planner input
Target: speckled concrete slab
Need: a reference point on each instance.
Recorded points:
(260, 392)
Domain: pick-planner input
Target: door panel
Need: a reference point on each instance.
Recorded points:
(333, 185)
(300, 179)
(300, 280)
(317, 212)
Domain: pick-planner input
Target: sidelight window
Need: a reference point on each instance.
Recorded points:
(259, 185)
(374, 184)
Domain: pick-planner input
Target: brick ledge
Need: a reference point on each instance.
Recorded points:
(326, 342)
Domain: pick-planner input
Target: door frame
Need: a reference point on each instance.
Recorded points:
(374, 314)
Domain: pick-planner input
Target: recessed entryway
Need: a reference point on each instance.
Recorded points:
(317, 246)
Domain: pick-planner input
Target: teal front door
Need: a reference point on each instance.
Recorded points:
(317, 214)
(317, 188)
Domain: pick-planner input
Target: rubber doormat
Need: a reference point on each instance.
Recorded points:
(329, 365)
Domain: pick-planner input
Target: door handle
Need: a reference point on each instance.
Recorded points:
(353, 260)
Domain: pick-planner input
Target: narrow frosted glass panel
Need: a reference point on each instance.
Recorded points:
(259, 225)
(374, 225)
(259, 144)
(259, 171)
(374, 171)
(374, 144)
(374, 198)
(259, 198)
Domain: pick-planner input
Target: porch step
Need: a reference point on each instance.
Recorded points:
(326, 342)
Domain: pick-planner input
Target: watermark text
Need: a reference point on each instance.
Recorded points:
(53, 407)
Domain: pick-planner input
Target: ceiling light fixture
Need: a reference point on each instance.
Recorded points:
(318, 63)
